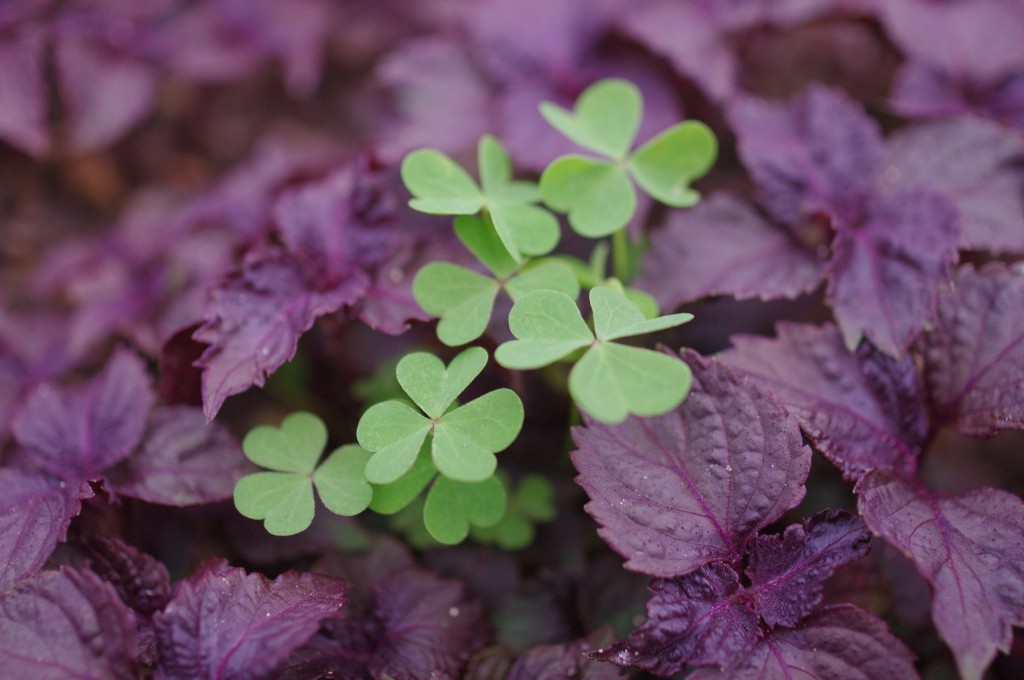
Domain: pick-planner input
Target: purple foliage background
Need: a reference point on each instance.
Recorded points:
(201, 199)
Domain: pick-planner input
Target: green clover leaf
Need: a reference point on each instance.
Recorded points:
(597, 194)
(283, 498)
(464, 438)
(532, 503)
(441, 187)
(464, 299)
(610, 380)
(452, 507)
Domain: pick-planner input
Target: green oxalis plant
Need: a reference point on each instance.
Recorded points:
(425, 438)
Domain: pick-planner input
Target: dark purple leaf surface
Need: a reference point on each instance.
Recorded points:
(223, 623)
(23, 116)
(971, 163)
(66, 624)
(140, 580)
(77, 433)
(975, 355)
(676, 492)
(968, 547)
(255, 319)
(562, 662)
(725, 247)
(695, 619)
(183, 460)
(836, 643)
(35, 512)
(788, 571)
(816, 154)
(860, 409)
(883, 275)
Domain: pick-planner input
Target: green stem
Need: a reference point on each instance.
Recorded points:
(621, 256)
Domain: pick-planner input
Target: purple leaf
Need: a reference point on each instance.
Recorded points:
(923, 91)
(695, 619)
(968, 547)
(35, 512)
(223, 623)
(836, 643)
(183, 460)
(815, 154)
(788, 571)
(77, 433)
(971, 163)
(23, 91)
(861, 409)
(562, 662)
(883, 276)
(974, 359)
(63, 624)
(726, 247)
(255, 318)
(142, 583)
(676, 492)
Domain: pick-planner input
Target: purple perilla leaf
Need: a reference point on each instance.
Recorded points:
(974, 358)
(968, 547)
(77, 433)
(23, 91)
(223, 623)
(921, 90)
(66, 623)
(140, 580)
(862, 410)
(564, 662)
(676, 492)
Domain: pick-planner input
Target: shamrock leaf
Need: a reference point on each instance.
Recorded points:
(283, 497)
(598, 194)
(464, 439)
(532, 502)
(451, 507)
(610, 380)
(464, 299)
(441, 187)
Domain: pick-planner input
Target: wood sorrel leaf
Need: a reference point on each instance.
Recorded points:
(393, 432)
(605, 120)
(439, 185)
(597, 195)
(664, 166)
(432, 386)
(466, 439)
(524, 228)
(390, 498)
(451, 507)
(461, 297)
(341, 481)
(479, 236)
(549, 275)
(283, 500)
(616, 316)
(295, 446)
(548, 325)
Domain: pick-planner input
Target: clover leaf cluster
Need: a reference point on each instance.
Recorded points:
(428, 440)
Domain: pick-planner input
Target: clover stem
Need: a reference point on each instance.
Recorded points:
(621, 256)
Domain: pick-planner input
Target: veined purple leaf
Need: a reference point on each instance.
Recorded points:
(255, 319)
(815, 154)
(968, 547)
(725, 247)
(140, 580)
(971, 163)
(861, 409)
(223, 623)
(695, 620)
(788, 571)
(836, 643)
(183, 460)
(562, 662)
(63, 624)
(974, 359)
(77, 433)
(883, 276)
(35, 512)
(676, 492)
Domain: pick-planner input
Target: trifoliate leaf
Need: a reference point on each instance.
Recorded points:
(341, 481)
(664, 166)
(432, 386)
(522, 227)
(532, 501)
(548, 326)
(295, 446)
(535, 498)
(606, 118)
(451, 508)
(616, 316)
(391, 498)
(439, 185)
(549, 275)
(597, 195)
(465, 439)
(394, 432)
(283, 500)
(479, 236)
(462, 298)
